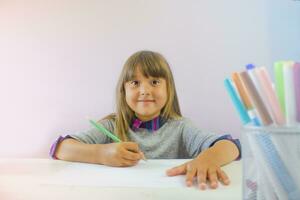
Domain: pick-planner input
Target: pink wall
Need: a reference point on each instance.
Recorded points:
(60, 61)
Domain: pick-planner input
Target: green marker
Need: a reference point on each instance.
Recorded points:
(279, 83)
(109, 134)
(105, 131)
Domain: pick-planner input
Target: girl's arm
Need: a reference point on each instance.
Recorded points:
(113, 154)
(207, 165)
(73, 150)
(223, 152)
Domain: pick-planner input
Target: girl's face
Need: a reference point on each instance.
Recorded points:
(146, 96)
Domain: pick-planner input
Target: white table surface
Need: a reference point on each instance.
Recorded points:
(28, 179)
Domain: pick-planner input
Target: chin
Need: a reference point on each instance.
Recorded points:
(145, 114)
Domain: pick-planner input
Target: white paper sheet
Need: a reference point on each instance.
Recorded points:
(46, 172)
(22, 179)
(151, 173)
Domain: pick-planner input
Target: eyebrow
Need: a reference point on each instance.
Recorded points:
(149, 77)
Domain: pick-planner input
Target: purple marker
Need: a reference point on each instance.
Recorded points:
(297, 89)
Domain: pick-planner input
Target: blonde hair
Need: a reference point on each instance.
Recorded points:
(151, 64)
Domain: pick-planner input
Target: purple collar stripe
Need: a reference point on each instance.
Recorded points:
(151, 125)
(137, 123)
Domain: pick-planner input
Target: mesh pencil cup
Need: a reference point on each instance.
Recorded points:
(271, 163)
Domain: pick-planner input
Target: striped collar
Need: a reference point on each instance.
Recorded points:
(151, 125)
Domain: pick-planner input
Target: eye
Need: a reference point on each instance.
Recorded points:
(134, 83)
(155, 82)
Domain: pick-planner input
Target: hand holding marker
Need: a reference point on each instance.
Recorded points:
(103, 130)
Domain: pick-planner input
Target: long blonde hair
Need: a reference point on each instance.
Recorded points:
(151, 64)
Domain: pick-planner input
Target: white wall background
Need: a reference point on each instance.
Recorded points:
(60, 59)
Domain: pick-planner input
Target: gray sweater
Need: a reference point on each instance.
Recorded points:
(175, 139)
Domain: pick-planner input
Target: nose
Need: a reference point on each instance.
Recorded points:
(144, 89)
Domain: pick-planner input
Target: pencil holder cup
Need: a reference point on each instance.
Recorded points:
(271, 163)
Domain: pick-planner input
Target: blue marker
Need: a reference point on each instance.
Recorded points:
(250, 66)
(242, 113)
(236, 102)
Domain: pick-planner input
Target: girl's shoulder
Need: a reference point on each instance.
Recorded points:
(180, 121)
(185, 123)
(108, 121)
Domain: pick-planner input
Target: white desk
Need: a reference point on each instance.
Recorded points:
(54, 179)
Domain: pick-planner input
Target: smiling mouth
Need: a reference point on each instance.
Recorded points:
(146, 101)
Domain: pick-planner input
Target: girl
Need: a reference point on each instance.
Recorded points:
(149, 121)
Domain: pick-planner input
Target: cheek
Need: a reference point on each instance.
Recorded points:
(130, 97)
(162, 96)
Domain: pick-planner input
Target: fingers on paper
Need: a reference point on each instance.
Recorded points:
(179, 170)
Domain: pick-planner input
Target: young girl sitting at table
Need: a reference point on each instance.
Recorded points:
(149, 122)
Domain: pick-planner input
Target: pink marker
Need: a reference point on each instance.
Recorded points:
(256, 101)
(271, 98)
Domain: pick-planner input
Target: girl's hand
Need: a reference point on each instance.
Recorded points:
(123, 154)
(202, 168)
